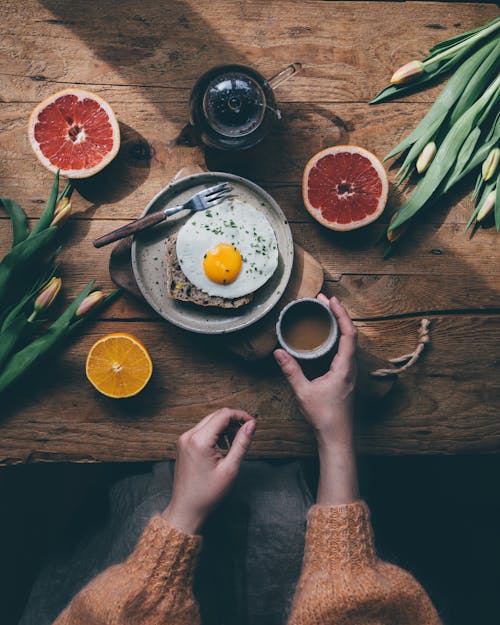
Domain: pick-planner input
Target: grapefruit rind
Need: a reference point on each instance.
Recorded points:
(93, 356)
(317, 214)
(81, 172)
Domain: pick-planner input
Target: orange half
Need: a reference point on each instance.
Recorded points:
(118, 365)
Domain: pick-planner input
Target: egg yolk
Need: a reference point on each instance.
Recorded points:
(222, 263)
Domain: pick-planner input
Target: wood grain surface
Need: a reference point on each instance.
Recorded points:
(144, 58)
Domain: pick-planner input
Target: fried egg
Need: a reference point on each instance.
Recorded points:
(229, 250)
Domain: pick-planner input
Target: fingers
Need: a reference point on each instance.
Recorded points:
(201, 423)
(241, 444)
(348, 334)
(209, 429)
(291, 369)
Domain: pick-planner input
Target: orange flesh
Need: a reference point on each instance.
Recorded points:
(74, 133)
(119, 365)
(344, 187)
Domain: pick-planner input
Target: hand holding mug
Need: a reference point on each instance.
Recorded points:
(327, 402)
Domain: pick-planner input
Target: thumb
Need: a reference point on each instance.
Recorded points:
(241, 444)
(291, 369)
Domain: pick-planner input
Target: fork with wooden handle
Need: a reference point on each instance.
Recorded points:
(208, 198)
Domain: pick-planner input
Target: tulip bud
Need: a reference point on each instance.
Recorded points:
(487, 206)
(62, 212)
(490, 164)
(426, 156)
(408, 72)
(89, 302)
(394, 235)
(48, 294)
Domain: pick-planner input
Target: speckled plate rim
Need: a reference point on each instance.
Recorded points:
(215, 321)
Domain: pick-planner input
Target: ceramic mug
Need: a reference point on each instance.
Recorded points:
(307, 329)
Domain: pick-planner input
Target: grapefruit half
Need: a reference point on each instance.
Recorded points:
(75, 131)
(345, 187)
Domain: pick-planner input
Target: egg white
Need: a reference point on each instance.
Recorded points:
(237, 223)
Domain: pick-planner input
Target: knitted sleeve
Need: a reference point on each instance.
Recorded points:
(343, 582)
(154, 585)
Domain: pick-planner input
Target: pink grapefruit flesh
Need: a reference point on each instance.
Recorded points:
(74, 131)
(345, 187)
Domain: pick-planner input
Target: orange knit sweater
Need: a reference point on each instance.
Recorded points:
(342, 580)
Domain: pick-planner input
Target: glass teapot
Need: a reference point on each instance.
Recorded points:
(232, 107)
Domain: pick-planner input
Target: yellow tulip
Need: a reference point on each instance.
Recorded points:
(89, 302)
(490, 164)
(407, 72)
(426, 156)
(62, 212)
(487, 206)
(46, 296)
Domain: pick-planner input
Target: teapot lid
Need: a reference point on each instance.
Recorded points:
(234, 103)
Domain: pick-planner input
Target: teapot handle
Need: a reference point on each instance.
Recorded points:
(284, 74)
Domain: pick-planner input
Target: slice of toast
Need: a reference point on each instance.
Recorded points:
(179, 287)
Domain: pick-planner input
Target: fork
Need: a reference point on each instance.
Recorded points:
(208, 198)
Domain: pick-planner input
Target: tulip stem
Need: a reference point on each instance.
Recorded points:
(66, 192)
(465, 43)
(33, 315)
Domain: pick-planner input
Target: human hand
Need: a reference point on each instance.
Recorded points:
(327, 402)
(202, 474)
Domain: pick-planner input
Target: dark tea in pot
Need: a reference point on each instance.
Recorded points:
(233, 107)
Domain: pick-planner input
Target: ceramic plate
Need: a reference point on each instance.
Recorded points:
(149, 258)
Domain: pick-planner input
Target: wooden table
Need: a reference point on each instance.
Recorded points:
(143, 57)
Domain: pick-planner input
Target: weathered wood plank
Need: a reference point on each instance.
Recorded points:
(145, 66)
(379, 296)
(464, 275)
(346, 57)
(446, 404)
(426, 250)
(149, 157)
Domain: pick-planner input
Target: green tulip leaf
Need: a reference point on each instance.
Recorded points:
(48, 213)
(20, 228)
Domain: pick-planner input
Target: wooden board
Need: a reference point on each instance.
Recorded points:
(145, 66)
(255, 342)
(429, 412)
(258, 342)
(348, 49)
(453, 272)
(149, 158)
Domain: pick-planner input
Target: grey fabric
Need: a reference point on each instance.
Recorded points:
(251, 557)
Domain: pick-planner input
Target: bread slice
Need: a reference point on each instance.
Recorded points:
(179, 287)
